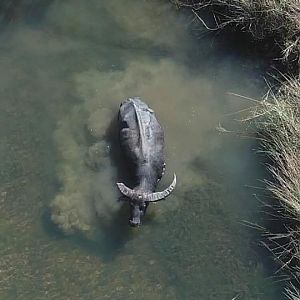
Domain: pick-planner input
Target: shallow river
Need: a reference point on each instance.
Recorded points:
(65, 68)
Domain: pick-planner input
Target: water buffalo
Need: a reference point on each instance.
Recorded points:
(142, 141)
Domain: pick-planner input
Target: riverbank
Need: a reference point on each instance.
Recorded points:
(276, 25)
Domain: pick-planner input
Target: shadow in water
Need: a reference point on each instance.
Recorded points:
(124, 172)
(111, 239)
(280, 232)
(272, 235)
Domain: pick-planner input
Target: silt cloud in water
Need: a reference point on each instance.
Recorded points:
(186, 106)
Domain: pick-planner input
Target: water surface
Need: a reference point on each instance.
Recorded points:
(65, 68)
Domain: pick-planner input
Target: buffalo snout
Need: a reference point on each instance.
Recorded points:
(136, 212)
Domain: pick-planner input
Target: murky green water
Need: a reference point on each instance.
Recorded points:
(65, 67)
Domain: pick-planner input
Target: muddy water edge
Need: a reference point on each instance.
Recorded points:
(65, 67)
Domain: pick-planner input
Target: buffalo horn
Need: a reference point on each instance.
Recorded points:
(151, 197)
(154, 197)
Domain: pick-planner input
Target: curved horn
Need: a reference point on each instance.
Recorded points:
(151, 197)
(126, 191)
(154, 197)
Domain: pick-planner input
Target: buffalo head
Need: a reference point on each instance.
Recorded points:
(139, 200)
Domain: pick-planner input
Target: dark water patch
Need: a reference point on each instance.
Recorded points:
(12, 11)
(235, 39)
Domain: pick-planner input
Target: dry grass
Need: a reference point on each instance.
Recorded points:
(275, 20)
(281, 129)
(292, 293)
(277, 119)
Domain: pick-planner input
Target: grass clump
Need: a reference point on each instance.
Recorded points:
(277, 119)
